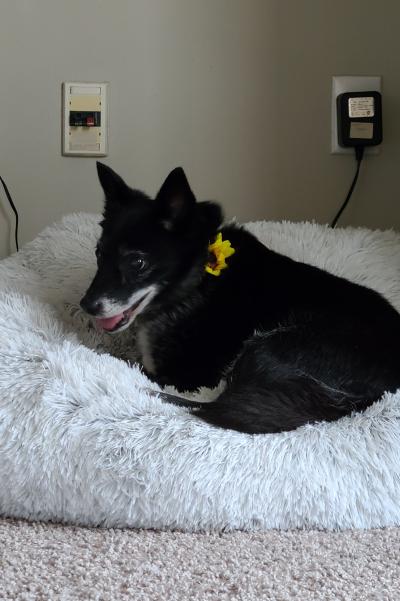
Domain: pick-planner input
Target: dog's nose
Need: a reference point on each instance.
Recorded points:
(91, 306)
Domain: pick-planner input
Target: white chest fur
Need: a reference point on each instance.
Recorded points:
(145, 348)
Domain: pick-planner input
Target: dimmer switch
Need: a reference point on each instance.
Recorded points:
(85, 119)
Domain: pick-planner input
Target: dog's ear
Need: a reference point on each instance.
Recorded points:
(175, 200)
(115, 189)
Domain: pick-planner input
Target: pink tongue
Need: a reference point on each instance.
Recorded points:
(108, 323)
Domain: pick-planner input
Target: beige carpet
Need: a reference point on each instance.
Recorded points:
(46, 562)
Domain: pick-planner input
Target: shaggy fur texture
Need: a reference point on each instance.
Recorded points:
(80, 442)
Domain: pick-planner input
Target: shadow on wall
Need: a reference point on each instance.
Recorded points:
(5, 231)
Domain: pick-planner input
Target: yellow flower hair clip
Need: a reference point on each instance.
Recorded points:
(221, 249)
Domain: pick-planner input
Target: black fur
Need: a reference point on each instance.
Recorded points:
(296, 344)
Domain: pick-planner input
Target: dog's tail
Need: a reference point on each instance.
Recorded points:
(174, 399)
(286, 406)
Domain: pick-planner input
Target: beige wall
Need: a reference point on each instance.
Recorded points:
(236, 91)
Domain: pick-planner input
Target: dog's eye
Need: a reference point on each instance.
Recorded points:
(133, 261)
(138, 263)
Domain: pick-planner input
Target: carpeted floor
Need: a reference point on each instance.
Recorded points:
(50, 562)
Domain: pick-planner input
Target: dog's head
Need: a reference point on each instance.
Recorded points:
(147, 246)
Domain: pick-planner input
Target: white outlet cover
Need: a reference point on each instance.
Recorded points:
(85, 141)
(351, 83)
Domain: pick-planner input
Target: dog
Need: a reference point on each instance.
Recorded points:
(295, 344)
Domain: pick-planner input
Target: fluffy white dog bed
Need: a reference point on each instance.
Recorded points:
(80, 442)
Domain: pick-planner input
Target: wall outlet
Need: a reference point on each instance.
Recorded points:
(351, 83)
(85, 119)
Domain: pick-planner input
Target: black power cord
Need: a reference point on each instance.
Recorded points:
(359, 152)
(10, 200)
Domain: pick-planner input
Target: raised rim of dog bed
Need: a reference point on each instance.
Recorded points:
(80, 441)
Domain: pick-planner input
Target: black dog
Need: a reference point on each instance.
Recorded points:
(295, 343)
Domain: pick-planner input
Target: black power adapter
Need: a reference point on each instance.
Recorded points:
(359, 119)
(359, 124)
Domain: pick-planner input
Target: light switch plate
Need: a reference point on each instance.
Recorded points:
(82, 140)
(351, 83)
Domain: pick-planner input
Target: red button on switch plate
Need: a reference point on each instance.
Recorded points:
(89, 121)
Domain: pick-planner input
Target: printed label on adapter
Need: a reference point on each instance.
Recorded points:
(361, 107)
